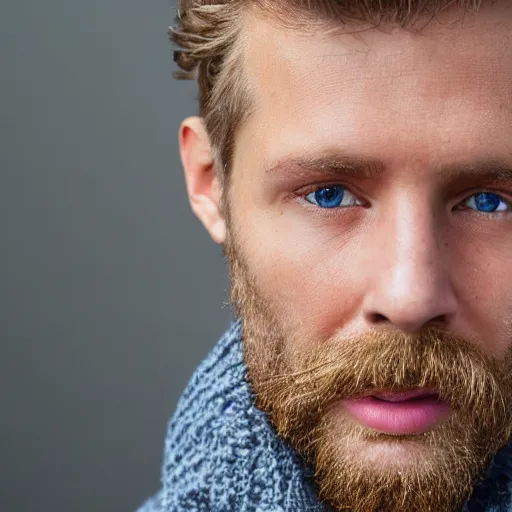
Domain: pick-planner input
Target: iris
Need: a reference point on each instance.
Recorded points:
(487, 202)
(329, 197)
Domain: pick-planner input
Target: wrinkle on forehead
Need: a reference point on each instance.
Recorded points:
(484, 39)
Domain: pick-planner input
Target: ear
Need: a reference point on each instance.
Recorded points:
(203, 185)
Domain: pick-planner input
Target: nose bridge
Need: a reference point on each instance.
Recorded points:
(413, 252)
(412, 286)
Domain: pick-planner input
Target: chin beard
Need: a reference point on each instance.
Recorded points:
(362, 470)
(357, 468)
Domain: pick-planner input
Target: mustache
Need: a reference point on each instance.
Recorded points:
(457, 370)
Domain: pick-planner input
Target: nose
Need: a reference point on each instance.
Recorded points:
(411, 286)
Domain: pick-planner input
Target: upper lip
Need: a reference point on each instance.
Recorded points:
(402, 395)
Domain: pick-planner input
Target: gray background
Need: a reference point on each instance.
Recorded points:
(111, 290)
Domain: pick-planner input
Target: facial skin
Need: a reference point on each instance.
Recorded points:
(408, 250)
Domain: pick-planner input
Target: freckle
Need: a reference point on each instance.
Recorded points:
(282, 212)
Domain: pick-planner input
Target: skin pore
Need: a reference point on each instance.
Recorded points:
(371, 189)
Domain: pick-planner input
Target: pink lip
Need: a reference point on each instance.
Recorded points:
(402, 413)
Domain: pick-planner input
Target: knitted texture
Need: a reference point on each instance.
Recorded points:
(222, 455)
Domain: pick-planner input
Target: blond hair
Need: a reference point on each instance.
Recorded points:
(207, 32)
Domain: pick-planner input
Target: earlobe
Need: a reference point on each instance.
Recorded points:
(203, 185)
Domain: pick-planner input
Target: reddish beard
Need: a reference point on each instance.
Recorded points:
(300, 390)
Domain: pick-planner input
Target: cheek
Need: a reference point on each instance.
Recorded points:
(482, 275)
(309, 275)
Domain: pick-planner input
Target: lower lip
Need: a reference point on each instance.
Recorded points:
(413, 416)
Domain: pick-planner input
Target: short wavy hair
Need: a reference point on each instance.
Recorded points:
(207, 32)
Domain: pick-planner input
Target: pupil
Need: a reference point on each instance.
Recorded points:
(329, 197)
(487, 202)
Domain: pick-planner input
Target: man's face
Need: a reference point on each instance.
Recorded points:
(371, 206)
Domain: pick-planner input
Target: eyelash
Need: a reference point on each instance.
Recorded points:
(304, 192)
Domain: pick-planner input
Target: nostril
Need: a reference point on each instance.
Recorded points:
(439, 320)
(377, 318)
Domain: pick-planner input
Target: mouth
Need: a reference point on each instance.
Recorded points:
(407, 412)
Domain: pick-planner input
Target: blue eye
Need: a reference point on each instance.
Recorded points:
(333, 196)
(488, 202)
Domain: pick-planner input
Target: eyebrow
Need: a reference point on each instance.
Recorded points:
(491, 170)
(332, 165)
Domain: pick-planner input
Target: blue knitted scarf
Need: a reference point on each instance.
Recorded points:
(222, 455)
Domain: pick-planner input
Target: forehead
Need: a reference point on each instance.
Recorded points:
(390, 89)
